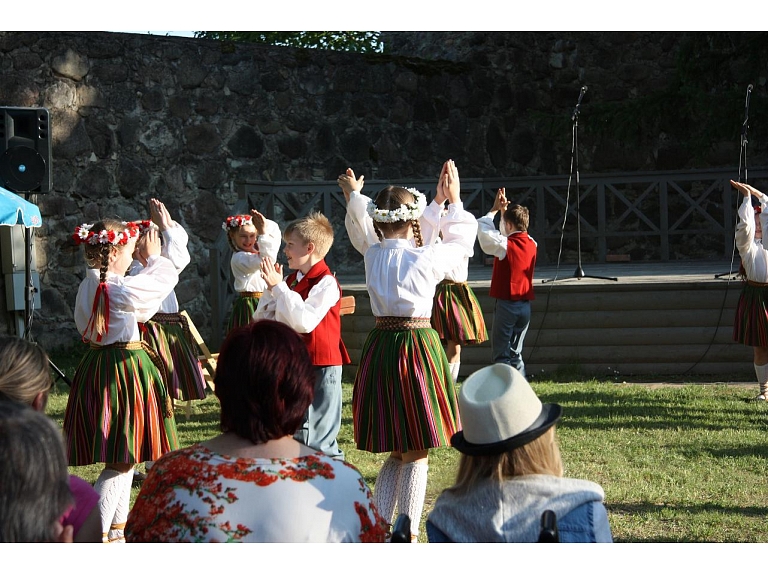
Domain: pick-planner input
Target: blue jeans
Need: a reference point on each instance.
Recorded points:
(323, 419)
(510, 324)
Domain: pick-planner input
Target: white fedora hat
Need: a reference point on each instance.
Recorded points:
(500, 411)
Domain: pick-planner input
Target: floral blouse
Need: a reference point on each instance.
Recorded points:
(197, 495)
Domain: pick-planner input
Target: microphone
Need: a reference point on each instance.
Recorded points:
(581, 95)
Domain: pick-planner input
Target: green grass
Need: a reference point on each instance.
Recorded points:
(684, 463)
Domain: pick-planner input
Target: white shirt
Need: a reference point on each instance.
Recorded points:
(175, 249)
(430, 233)
(492, 241)
(285, 305)
(754, 256)
(246, 266)
(132, 299)
(400, 277)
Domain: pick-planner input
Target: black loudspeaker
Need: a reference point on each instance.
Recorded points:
(25, 150)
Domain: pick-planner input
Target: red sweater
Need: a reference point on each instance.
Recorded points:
(512, 277)
(324, 342)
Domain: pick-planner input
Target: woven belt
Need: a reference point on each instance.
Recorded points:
(250, 294)
(120, 345)
(756, 284)
(168, 318)
(390, 323)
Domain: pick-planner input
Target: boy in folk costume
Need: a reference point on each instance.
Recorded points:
(251, 236)
(309, 300)
(514, 261)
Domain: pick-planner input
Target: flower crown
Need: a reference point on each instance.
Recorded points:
(83, 235)
(143, 225)
(236, 222)
(405, 213)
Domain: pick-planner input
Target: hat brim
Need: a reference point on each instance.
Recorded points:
(550, 414)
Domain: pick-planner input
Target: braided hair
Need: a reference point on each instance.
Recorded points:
(391, 198)
(97, 257)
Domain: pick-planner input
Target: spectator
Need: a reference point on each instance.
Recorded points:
(34, 485)
(255, 482)
(510, 470)
(25, 376)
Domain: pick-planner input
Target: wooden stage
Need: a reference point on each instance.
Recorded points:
(656, 319)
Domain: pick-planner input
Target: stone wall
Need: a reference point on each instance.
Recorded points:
(182, 119)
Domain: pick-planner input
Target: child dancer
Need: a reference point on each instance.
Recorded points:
(251, 237)
(168, 332)
(750, 326)
(309, 300)
(119, 411)
(403, 398)
(456, 314)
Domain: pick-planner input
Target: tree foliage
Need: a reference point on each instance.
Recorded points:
(344, 41)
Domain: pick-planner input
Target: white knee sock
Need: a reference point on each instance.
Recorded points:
(412, 491)
(117, 528)
(455, 371)
(110, 487)
(762, 377)
(385, 494)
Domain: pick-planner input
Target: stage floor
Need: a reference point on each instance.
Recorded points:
(624, 272)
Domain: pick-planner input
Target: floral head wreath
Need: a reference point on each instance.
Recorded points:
(84, 235)
(143, 225)
(405, 213)
(236, 222)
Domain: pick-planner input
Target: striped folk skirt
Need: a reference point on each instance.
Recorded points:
(119, 410)
(243, 308)
(750, 326)
(456, 314)
(403, 397)
(168, 334)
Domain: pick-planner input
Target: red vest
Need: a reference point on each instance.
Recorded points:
(324, 342)
(512, 277)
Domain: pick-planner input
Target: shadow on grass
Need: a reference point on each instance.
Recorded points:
(677, 514)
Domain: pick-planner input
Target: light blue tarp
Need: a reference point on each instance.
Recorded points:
(16, 210)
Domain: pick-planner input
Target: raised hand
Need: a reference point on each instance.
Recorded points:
(259, 221)
(500, 203)
(271, 272)
(450, 182)
(440, 196)
(152, 245)
(159, 215)
(746, 189)
(349, 184)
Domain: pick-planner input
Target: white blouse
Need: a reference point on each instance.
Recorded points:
(246, 266)
(754, 256)
(174, 248)
(430, 232)
(400, 277)
(132, 299)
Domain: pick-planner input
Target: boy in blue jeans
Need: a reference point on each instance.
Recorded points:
(514, 261)
(309, 300)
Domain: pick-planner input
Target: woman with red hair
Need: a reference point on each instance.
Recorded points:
(254, 482)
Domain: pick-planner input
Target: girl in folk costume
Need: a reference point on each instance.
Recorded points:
(750, 326)
(251, 237)
(168, 331)
(119, 411)
(403, 399)
(456, 313)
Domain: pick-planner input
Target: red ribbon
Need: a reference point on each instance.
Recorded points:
(91, 324)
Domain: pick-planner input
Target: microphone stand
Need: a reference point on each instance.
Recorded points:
(579, 272)
(742, 155)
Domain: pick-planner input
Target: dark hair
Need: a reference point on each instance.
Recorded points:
(264, 380)
(34, 483)
(517, 215)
